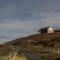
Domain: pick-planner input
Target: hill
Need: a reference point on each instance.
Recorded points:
(47, 45)
(37, 39)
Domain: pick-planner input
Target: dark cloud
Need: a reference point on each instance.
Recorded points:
(27, 8)
(24, 17)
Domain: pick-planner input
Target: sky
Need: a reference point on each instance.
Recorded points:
(19, 18)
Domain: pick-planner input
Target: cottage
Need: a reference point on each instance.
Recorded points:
(50, 30)
(46, 30)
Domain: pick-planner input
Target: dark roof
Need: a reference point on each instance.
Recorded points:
(43, 29)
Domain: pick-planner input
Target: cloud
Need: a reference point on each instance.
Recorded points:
(24, 17)
(15, 28)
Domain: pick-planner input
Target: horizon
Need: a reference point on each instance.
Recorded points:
(19, 18)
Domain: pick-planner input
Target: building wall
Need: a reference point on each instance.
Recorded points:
(47, 30)
(44, 30)
(50, 30)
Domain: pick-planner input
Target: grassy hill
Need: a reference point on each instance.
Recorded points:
(45, 45)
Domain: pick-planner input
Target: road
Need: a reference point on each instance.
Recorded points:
(30, 56)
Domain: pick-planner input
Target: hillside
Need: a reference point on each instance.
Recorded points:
(37, 39)
(38, 44)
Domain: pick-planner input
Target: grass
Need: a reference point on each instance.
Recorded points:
(20, 57)
(44, 43)
(40, 50)
(3, 58)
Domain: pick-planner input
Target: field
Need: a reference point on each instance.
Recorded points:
(20, 57)
(46, 46)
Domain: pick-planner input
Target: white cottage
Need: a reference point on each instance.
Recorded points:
(46, 30)
(50, 30)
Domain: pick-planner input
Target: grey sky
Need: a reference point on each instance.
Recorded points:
(24, 17)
